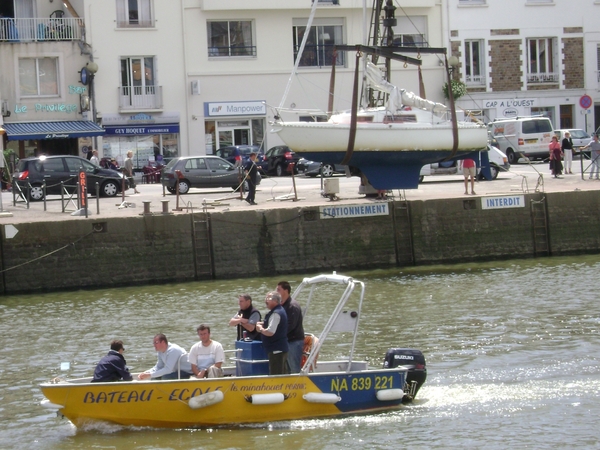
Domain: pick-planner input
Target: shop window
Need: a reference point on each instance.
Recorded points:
(38, 77)
(134, 13)
(230, 38)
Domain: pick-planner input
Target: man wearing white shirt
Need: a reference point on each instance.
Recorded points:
(171, 364)
(206, 356)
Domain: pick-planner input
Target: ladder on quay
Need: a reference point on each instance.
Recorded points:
(539, 222)
(403, 233)
(203, 256)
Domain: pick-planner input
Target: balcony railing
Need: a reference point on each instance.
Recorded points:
(234, 50)
(140, 97)
(319, 56)
(41, 29)
(542, 77)
(475, 80)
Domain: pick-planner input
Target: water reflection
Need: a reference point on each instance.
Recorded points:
(510, 346)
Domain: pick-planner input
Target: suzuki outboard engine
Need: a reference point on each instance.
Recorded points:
(414, 360)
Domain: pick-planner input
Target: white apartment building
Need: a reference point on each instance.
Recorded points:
(528, 57)
(184, 77)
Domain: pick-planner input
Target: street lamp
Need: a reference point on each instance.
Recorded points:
(87, 78)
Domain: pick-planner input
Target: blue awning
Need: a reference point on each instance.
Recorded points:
(52, 130)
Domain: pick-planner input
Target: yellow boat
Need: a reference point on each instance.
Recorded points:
(321, 389)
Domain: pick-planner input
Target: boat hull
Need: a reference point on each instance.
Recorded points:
(389, 155)
(165, 403)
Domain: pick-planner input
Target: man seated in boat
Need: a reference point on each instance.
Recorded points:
(274, 332)
(206, 356)
(246, 319)
(172, 361)
(113, 366)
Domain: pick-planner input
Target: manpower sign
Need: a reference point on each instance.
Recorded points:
(218, 109)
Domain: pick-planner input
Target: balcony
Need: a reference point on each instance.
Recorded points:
(475, 80)
(135, 98)
(41, 29)
(542, 78)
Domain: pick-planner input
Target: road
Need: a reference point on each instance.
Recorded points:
(278, 192)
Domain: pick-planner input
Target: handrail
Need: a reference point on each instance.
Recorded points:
(35, 29)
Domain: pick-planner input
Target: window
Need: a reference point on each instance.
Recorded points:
(474, 68)
(195, 163)
(230, 38)
(38, 77)
(598, 61)
(134, 13)
(471, 2)
(138, 84)
(323, 35)
(540, 62)
(410, 32)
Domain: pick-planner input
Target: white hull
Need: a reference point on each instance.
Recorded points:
(326, 137)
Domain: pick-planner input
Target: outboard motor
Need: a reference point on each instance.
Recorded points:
(414, 360)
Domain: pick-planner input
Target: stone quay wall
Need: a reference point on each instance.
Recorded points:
(100, 253)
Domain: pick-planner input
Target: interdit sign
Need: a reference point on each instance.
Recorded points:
(214, 109)
(504, 202)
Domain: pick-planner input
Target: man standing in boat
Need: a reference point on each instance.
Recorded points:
(274, 334)
(206, 356)
(295, 333)
(113, 366)
(246, 319)
(172, 361)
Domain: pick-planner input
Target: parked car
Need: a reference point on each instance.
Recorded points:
(65, 168)
(241, 153)
(579, 137)
(314, 168)
(206, 171)
(278, 160)
(498, 163)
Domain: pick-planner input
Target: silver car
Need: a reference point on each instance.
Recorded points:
(201, 172)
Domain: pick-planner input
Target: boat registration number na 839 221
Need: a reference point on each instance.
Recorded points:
(362, 383)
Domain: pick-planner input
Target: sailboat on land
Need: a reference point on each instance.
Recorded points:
(397, 132)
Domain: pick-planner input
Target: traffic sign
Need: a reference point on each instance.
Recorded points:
(585, 101)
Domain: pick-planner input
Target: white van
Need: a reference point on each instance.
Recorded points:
(498, 162)
(523, 137)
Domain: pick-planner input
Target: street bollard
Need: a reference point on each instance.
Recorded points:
(165, 206)
(146, 207)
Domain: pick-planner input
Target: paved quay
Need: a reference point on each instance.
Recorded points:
(278, 192)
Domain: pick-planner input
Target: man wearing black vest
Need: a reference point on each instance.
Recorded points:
(246, 319)
(274, 335)
(295, 333)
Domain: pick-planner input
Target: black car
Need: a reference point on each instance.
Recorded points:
(314, 168)
(241, 153)
(278, 160)
(56, 169)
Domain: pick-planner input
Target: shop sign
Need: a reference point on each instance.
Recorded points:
(134, 130)
(253, 108)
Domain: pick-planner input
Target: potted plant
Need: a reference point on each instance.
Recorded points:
(459, 89)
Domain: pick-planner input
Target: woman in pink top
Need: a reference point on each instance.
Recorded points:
(469, 171)
(555, 157)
